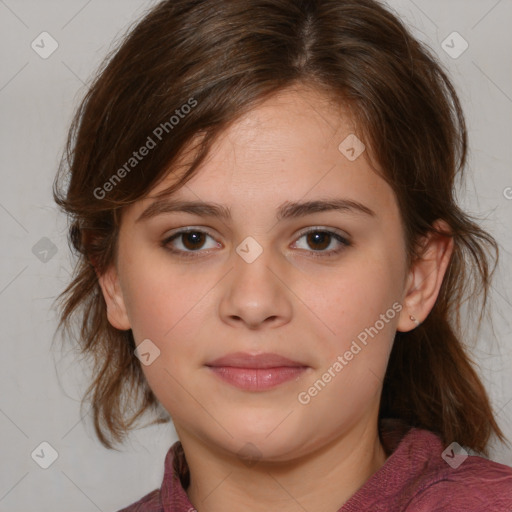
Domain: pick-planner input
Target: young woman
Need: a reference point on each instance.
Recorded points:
(261, 196)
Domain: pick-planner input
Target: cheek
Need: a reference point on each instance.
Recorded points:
(361, 312)
(159, 295)
(168, 306)
(360, 307)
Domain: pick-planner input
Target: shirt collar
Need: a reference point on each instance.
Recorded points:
(176, 481)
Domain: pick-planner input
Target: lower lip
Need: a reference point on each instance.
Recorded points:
(257, 379)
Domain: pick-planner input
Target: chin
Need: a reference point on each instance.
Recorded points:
(251, 445)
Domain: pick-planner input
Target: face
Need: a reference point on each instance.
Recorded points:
(322, 287)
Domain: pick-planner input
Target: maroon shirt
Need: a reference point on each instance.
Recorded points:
(414, 478)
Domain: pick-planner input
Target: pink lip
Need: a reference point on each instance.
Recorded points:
(256, 372)
(244, 360)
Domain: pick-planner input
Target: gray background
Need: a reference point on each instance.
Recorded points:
(41, 389)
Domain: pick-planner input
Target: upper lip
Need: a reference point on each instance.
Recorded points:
(244, 360)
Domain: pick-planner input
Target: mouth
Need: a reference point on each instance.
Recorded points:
(256, 372)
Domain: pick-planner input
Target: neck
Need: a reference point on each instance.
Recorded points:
(323, 480)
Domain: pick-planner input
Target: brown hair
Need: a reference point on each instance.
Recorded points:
(224, 57)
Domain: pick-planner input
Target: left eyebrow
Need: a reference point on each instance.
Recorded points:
(287, 210)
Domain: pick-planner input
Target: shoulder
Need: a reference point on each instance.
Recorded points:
(150, 503)
(421, 474)
(477, 485)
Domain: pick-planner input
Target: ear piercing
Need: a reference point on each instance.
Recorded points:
(414, 320)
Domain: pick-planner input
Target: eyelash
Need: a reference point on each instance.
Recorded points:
(315, 254)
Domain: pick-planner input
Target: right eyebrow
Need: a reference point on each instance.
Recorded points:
(200, 208)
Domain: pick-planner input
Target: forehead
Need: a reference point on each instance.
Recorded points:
(294, 124)
(285, 149)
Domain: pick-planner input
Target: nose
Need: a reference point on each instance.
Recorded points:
(255, 294)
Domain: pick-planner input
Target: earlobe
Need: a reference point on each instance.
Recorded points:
(116, 309)
(425, 278)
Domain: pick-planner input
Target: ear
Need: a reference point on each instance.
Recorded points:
(425, 277)
(116, 309)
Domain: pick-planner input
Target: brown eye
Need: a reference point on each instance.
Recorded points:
(191, 242)
(318, 241)
(188, 243)
(193, 239)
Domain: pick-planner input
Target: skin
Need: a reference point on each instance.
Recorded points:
(311, 456)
